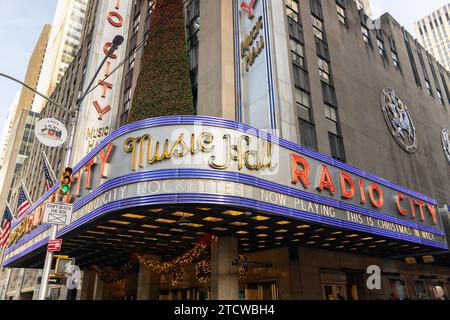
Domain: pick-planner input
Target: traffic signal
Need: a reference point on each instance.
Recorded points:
(66, 181)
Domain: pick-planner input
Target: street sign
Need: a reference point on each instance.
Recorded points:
(58, 214)
(54, 245)
(51, 132)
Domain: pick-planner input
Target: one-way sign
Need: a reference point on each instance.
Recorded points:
(58, 214)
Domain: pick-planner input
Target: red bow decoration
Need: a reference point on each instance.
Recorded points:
(248, 8)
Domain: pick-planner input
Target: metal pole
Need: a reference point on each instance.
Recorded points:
(36, 92)
(47, 267)
(49, 256)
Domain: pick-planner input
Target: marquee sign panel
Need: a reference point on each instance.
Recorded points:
(188, 159)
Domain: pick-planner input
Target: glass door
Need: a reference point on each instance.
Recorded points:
(261, 291)
(334, 291)
(398, 289)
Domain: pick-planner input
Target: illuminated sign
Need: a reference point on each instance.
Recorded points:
(99, 110)
(185, 161)
(254, 70)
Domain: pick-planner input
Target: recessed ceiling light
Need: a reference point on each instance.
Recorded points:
(262, 235)
(182, 214)
(136, 231)
(239, 224)
(260, 218)
(233, 213)
(194, 225)
(96, 232)
(106, 228)
(283, 222)
(165, 221)
(261, 227)
(242, 232)
(212, 219)
(352, 235)
(220, 229)
(133, 216)
(155, 210)
(303, 226)
(124, 223)
(149, 226)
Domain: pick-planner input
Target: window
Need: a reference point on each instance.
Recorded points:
(324, 71)
(292, 9)
(331, 115)
(308, 136)
(381, 49)
(365, 33)
(439, 95)
(395, 59)
(342, 16)
(303, 102)
(428, 86)
(317, 27)
(297, 53)
(336, 141)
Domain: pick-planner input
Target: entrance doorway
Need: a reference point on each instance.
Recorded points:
(398, 289)
(185, 294)
(26, 295)
(335, 291)
(261, 291)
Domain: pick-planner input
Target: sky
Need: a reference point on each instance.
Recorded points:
(21, 22)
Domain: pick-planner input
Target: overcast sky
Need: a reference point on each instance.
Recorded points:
(21, 22)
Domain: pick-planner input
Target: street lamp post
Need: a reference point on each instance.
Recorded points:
(74, 113)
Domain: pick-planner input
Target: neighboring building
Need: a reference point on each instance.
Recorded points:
(63, 45)
(19, 144)
(357, 175)
(433, 32)
(9, 122)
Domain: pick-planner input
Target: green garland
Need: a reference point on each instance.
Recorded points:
(163, 86)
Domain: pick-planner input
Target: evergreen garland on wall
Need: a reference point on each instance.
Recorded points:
(163, 86)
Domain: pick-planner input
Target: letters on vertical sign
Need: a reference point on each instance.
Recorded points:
(115, 20)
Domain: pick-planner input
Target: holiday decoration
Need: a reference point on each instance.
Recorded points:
(174, 268)
(203, 272)
(243, 267)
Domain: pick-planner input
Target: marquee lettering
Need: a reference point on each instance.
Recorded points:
(301, 172)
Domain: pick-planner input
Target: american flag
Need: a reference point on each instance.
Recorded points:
(48, 178)
(23, 204)
(5, 230)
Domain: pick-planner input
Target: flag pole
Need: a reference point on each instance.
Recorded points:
(26, 192)
(49, 167)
